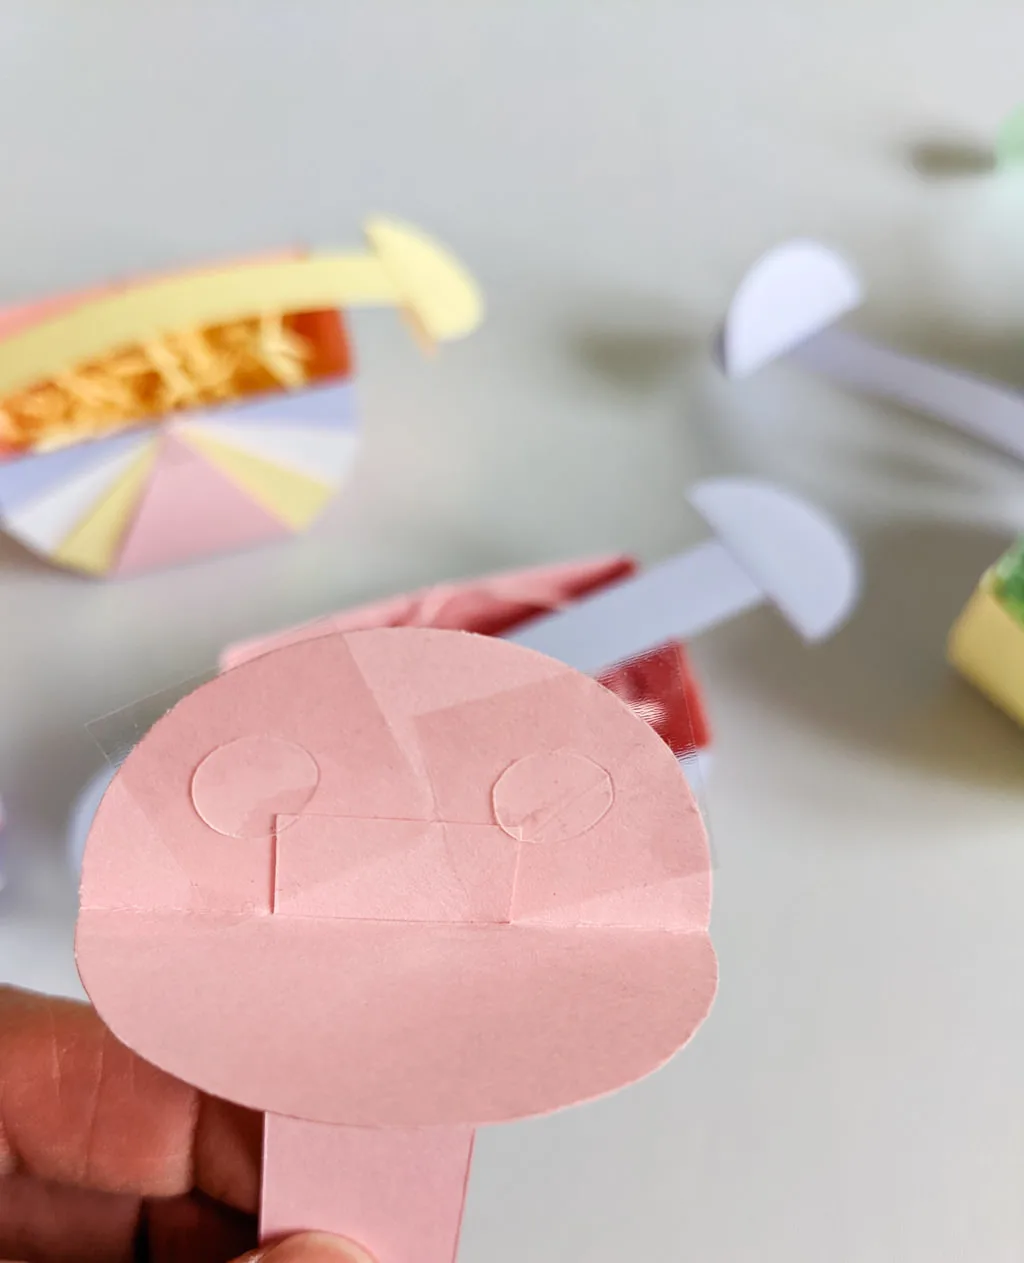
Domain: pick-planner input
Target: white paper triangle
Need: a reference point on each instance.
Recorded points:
(44, 522)
(320, 452)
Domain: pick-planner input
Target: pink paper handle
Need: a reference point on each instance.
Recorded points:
(398, 1192)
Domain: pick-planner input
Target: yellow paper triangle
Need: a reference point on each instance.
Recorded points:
(92, 546)
(290, 496)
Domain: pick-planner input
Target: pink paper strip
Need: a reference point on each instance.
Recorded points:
(398, 1192)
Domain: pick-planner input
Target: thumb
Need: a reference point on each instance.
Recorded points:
(310, 1247)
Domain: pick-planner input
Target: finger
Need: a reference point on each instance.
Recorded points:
(226, 1148)
(311, 1247)
(193, 1229)
(51, 1223)
(42, 1222)
(78, 1107)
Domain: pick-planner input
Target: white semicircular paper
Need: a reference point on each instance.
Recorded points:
(796, 555)
(790, 294)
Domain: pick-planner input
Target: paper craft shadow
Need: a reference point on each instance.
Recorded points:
(950, 157)
(883, 682)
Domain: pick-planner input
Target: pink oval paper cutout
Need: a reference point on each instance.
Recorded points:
(566, 995)
(551, 796)
(240, 788)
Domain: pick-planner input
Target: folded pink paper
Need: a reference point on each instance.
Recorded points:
(389, 885)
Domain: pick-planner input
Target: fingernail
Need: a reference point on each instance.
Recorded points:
(315, 1247)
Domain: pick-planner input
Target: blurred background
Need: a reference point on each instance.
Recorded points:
(609, 170)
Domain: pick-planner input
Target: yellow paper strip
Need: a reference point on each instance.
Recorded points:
(439, 297)
(289, 495)
(92, 546)
(986, 646)
(406, 270)
(209, 298)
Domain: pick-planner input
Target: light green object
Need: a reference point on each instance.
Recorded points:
(1009, 146)
(1009, 581)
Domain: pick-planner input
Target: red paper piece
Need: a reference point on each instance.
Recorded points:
(661, 689)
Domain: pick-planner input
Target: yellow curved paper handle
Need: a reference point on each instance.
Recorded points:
(403, 269)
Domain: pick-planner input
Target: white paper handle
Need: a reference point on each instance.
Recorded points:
(980, 408)
(788, 305)
(676, 600)
(768, 545)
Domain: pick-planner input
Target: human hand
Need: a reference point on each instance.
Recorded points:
(105, 1159)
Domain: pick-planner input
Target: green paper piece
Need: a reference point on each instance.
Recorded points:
(1009, 146)
(1009, 581)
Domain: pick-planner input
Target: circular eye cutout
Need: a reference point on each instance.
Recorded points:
(551, 797)
(239, 788)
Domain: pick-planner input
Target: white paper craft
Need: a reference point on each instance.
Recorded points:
(770, 546)
(788, 305)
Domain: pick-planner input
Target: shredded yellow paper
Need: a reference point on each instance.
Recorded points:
(182, 370)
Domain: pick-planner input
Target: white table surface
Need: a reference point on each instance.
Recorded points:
(609, 169)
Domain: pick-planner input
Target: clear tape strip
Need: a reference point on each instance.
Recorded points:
(118, 732)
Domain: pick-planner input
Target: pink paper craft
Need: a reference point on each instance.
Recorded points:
(305, 452)
(435, 879)
(191, 509)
